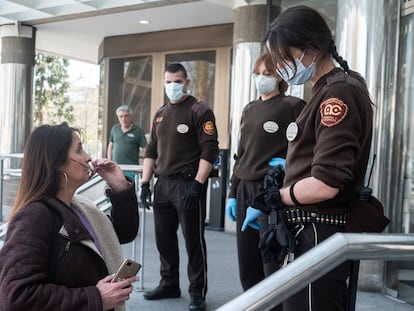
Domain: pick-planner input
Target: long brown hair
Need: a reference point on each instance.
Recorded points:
(45, 152)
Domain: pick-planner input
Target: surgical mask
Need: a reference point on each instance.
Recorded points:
(174, 91)
(265, 85)
(303, 74)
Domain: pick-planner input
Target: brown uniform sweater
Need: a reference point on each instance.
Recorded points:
(333, 138)
(181, 135)
(263, 136)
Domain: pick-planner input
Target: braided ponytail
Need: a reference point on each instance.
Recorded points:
(339, 59)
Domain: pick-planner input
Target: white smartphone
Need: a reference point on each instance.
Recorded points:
(127, 269)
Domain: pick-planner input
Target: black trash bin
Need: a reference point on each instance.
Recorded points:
(218, 190)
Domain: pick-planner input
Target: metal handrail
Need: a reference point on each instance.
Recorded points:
(7, 172)
(317, 262)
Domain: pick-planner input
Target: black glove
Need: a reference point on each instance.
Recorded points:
(145, 195)
(278, 240)
(193, 195)
(274, 177)
(267, 201)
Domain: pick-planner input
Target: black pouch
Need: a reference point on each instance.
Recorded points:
(366, 216)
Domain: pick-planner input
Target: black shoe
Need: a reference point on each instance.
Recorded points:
(197, 304)
(162, 292)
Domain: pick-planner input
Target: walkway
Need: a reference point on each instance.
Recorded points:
(223, 276)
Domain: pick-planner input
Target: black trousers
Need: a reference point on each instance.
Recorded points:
(168, 214)
(252, 269)
(329, 293)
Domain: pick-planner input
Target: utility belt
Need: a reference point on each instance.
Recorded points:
(188, 172)
(296, 215)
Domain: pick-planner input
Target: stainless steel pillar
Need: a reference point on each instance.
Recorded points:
(367, 37)
(16, 86)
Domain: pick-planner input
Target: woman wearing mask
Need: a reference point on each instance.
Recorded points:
(60, 249)
(262, 137)
(329, 145)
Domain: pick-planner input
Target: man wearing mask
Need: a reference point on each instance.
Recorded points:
(182, 149)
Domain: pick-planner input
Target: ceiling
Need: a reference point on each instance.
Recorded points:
(75, 28)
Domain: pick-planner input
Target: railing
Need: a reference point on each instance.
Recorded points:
(7, 172)
(317, 262)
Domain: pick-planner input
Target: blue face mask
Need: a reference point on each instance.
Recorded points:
(174, 91)
(303, 74)
(265, 85)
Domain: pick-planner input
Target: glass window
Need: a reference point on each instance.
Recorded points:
(200, 68)
(136, 89)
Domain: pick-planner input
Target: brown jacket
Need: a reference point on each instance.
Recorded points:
(41, 269)
(332, 138)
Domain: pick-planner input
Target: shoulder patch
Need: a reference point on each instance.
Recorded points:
(159, 119)
(208, 128)
(333, 111)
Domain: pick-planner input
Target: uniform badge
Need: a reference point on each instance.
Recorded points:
(292, 131)
(182, 128)
(159, 119)
(209, 128)
(131, 135)
(271, 127)
(333, 111)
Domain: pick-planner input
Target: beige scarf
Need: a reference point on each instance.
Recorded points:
(105, 232)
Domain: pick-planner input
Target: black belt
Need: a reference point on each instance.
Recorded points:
(296, 215)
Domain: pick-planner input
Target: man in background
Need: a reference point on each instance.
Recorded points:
(125, 139)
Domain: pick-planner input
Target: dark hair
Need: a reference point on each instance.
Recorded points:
(176, 67)
(46, 150)
(303, 28)
(266, 58)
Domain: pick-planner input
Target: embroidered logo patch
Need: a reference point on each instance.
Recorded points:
(159, 119)
(208, 128)
(333, 111)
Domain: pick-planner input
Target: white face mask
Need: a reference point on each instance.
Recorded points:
(303, 74)
(174, 91)
(265, 85)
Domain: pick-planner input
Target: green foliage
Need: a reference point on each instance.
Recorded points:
(51, 84)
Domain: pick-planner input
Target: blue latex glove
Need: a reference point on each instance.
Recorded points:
(231, 209)
(277, 161)
(251, 219)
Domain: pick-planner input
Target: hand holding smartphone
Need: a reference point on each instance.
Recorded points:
(128, 269)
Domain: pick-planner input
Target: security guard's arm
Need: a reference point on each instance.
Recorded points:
(309, 190)
(146, 177)
(147, 170)
(204, 169)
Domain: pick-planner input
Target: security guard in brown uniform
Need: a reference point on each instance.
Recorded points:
(329, 145)
(182, 149)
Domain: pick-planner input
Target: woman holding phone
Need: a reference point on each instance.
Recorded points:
(61, 250)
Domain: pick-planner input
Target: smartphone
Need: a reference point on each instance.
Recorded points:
(127, 269)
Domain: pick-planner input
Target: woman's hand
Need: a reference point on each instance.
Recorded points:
(111, 173)
(114, 294)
